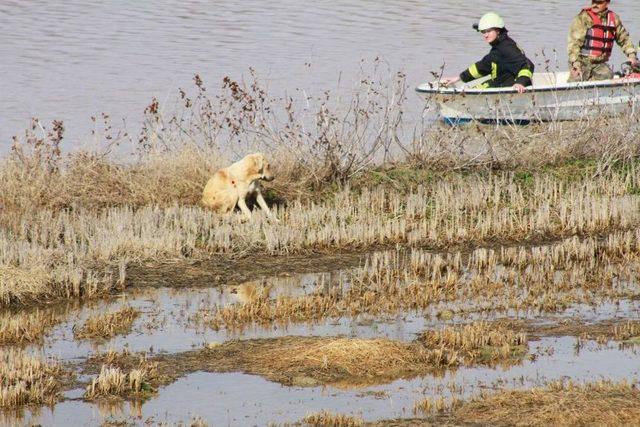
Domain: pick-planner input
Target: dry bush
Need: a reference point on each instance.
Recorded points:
(107, 325)
(329, 419)
(597, 403)
(26, 380)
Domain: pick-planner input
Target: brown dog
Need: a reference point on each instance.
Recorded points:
(230, 186)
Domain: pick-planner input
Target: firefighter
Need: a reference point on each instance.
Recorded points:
(506, 62)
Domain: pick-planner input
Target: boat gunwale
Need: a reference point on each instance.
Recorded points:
(621, 82)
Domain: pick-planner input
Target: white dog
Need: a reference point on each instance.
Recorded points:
(230, 186)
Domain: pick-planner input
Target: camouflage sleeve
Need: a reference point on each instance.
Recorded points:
(577, 34)
(624, 39)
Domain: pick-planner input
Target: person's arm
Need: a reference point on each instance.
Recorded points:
(525, 75)
(575, 41)
(478, 69)
(625, 42)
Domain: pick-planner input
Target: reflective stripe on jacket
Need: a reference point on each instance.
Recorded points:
(506, 63)
(601, 36)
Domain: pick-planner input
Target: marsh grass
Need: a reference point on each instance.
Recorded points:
(348, 361)
(546, 278)
(25, 327)
(83, 253)
(431, 406)
(115, 382)
(560, 404)
(479, 342)
(108, 325)
(328, 419)
(70, 224)
(27, 380)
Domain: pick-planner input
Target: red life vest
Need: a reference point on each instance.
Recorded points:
(601, 36)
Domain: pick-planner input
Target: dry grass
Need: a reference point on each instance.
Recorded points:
(596, 403)
(345, 361)
(329, 419)
(108, 325)
(25, 327)
(478, 342)
(85, 252)
(69, 225)
(115, 382)
(546, 278)
(326, 360)
(27, 380)
(628, 332)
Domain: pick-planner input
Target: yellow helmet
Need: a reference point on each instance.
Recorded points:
(490, 20)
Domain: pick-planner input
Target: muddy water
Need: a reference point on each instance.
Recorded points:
(238, 399)
(74, 59)
(171, 320)
(169, 324)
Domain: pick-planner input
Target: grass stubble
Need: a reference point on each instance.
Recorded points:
(560, 403)
(325, 418)
(546, 278)
(122, 375)
(19, 328)
(28, 380)
(107, 325)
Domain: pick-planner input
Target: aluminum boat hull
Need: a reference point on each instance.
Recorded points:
(550, 98)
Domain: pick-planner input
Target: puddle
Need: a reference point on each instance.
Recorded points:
(239, 399)
(167, 322)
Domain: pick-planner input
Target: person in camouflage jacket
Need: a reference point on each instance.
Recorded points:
(590, 42)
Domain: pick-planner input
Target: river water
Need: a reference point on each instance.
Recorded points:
(73, 59)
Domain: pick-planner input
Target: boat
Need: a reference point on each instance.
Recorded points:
(549, 98)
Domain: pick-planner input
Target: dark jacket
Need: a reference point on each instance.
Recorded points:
(506, 63)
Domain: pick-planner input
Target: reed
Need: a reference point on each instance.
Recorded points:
(325, 418)
(27, 380)
(108, 325)
(115, 382)
(545, 278)
(25, 327)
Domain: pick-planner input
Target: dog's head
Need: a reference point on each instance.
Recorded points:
(260, 167)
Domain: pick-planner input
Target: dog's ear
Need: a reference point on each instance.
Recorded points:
(258, 162)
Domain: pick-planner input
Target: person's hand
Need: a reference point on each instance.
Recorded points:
(634, 62)
(576, 71)
(519, 88)
(448, 81)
